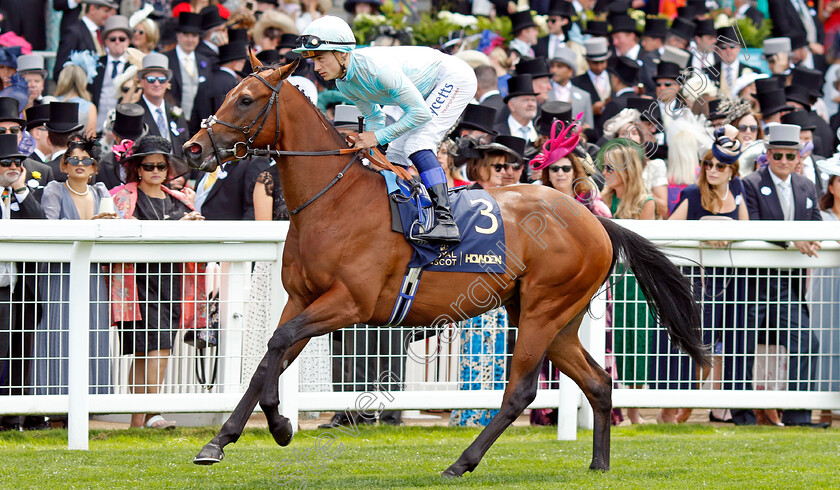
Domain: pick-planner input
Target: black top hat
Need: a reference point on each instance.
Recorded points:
(233, 51)
(64, 117)
(699, 6)
(156, 145)
(210, 18)
(686, 12)
(656, 27)
(189, 22)
(617, 7)
(800, 95)
(668, 70)
(813, 80)
(626, 69)
(597, 28)
(714, 104)
(10, 110)
(549, 111)
(521, 20)
(520, 85)
(561, 8)
(9, 147)
(287, 40)
(797, 40)
(537, 67)
(646, 105)
(704, 27)
(768, 84)
(622, 23)
(683, 28)
(772, 101)
(727, 35)
(269, 56)
(800, 118)
(512, 145)
(237, 35)
(350, 5)
(37, 115)
(476, 116)
(128, 122)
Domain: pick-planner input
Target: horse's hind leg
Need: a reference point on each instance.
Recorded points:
(569, 356)
(213, 451)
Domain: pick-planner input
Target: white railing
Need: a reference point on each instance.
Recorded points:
(240, 243)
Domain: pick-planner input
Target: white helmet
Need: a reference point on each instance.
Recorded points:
(327, 33)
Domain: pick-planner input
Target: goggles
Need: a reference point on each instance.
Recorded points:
(314, 42)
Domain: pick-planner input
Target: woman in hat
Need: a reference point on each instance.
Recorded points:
(147, 332)
(73, 199)
(270, 28)
(487, 165)
(72, 87)
(431, 88)
(718, 194)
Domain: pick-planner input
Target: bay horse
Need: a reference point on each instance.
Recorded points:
(343, 265)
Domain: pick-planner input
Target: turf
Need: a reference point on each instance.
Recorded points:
(650, 456)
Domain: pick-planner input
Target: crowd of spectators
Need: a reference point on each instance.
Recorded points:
(639, 110)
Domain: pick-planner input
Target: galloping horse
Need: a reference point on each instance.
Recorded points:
(343, 265)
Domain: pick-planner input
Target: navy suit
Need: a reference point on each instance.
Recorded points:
(776, 309)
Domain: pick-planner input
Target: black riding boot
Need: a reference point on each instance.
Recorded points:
(445, 230)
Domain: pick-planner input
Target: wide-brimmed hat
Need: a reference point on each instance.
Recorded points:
(772, 101)
(565, 56)
(622, 23)
(626, 69)
(346, 116)
(155, 62)
(536, 67)
(704, 27)
(597, 28)
(776, 45)
(682, 28)
(9, 147)
(116, 23)
(561, 8)
(477, 117)
(521, 20)
(31, 63)
(520, 85)
(597, 49)
(656, 27)
(189, 22)
(667, 70)
(210, 18)
(233, 51)
(799, 118)
(64, 117)
(9, 56)
(783, 136)
(274, 19)
(675, 55)
(128, 122)
(744, 80)
(10, 110)
(551, 111)
(512, 145)
(156, 145)
(37, 115)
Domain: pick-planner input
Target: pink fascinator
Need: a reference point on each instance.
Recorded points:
(559, 145)
(123, 150)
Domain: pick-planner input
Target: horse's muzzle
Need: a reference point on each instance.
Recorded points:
(196, 158)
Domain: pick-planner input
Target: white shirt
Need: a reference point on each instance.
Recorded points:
(43, 156)
(516, 129)
(109, 67)
(633, 53)
(785, 190)
(91, 26)
(487, 94)
(563, 93)
(153, 109)
(604, 78)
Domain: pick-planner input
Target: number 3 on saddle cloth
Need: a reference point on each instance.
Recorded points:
(482, 247)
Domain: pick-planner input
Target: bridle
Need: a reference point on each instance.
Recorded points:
(243, 149)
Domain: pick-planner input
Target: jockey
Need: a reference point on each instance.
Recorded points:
(432, 89)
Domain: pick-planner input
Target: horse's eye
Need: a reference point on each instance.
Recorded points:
(247, 101)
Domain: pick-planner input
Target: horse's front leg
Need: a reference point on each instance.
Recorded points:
(333, 310)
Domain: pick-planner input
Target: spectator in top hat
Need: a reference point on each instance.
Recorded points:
(85, 34)
(524, 32)
(680, 34)
(559, 17)
(126, 126)
(596, 80)
(189, 67)
(626, 43)
(11, 123)
(162, 119)
(62, 126)
(40, 174)
(772, 104)
(624, 75)
(705, 36)
(476, 122)
(809, 161)
(212, 92)
(214, 34)
(777, 51)
(562, 89)
(777, 192)
(522, 103)
(728, 66)
(653, 39)
(116, 36)
(540, 73)
(667, 89)
(487, 93)
(31, 68)
(597, 28)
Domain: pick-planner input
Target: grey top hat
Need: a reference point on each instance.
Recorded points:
(566, 56)
(346, 116)
(597, 49)
(31, 63)
(783, 136)
(155, 62)
(116, 23)
(776, 45)
(678, 56)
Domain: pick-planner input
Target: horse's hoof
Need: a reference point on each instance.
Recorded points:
(599, 466)
(452, 472)
(211, 453)
(284, 433)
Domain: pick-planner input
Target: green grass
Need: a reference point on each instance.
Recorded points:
(648, 456)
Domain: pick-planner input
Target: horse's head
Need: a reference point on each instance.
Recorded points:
(250, 117)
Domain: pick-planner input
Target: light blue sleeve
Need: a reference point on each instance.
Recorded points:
(374, 115)
(402, 90)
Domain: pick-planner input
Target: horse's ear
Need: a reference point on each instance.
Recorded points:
(255, 63)
(287, 70)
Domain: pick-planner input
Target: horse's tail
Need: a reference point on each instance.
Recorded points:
(667, 291)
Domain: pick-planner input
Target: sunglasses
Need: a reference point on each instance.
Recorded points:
(665, 84)
(75, 161)
(119, 39)
(557, 168)
(150, 167)
(312, 42)
(710, 165)
(11, 130)
(752, 128)
(498, 167)
(781, 156)
(161, 80)
(7, 162)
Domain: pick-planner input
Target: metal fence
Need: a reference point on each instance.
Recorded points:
(227, 274)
